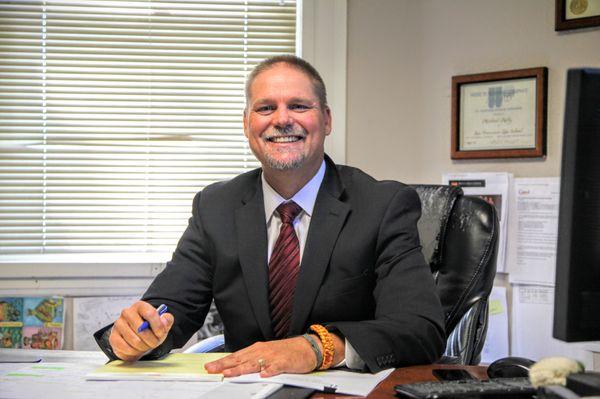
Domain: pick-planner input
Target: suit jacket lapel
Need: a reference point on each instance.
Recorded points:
(251, 233)
(326, 222)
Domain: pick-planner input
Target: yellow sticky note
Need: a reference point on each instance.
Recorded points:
(496, 307)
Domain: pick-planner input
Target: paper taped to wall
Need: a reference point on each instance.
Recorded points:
(92, 313)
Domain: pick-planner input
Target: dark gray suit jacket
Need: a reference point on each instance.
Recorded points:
(362, 271)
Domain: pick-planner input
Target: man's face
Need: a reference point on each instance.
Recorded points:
(284, 122)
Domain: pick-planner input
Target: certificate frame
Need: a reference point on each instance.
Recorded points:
(527, 88)
(574, 14)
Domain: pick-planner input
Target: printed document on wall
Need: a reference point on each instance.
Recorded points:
(92, 313)
(496, 341)
(533, 227)
(494, 189)
(531, 336)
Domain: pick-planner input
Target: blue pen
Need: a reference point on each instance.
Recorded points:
(161, 310)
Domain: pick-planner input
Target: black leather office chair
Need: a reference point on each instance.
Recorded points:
(459, 236)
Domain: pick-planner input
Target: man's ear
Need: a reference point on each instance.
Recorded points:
(245, 122)
(328, 120)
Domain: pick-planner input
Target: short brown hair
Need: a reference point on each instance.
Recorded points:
(295, 62)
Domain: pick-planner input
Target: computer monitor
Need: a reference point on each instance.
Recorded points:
(577, 292)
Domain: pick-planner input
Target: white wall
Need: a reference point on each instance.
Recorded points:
(402, 55)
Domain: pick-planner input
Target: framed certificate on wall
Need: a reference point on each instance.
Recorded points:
(499, 114)
(576, 14)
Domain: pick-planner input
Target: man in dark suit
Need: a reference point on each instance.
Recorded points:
(358, 267)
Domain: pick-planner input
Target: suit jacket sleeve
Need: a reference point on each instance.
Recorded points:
(407, 327)
(184, 286)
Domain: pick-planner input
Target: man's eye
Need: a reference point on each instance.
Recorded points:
(299, 107)
(265, 109)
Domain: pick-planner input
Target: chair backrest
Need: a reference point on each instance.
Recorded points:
(459, 236)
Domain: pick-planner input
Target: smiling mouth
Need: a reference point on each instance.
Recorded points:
(284, 139)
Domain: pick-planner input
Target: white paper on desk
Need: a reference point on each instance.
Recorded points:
(67, 381)
(91, 314)
(493, 188)
(344, 382)
(256, 390)
(532, 316)
(496, 341)
(533, 230)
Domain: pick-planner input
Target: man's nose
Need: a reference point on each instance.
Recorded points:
(282, 117)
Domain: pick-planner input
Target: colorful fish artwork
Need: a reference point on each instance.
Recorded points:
(11, 310)
(31, 322)
(42, 311)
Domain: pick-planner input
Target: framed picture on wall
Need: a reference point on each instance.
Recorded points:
(499, 114)
(575, 14)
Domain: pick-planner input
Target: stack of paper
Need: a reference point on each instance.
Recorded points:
(175, 367)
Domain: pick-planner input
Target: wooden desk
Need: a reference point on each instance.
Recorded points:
(407, 375)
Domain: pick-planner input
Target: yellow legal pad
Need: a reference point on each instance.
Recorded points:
(173, 367)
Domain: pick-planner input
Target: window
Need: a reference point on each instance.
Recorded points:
(113, 114)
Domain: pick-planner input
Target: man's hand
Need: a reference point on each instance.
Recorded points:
(292, 355)
(127, 343)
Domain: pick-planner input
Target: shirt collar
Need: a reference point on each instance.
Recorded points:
(305, 198)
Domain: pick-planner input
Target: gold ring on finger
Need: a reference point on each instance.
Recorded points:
(261, 364)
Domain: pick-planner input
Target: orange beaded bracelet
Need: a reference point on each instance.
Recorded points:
(327, 342)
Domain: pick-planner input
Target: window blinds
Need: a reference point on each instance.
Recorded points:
(113, 114)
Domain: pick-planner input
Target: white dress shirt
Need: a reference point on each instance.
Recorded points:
(306, 199)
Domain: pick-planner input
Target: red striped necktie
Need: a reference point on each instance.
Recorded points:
(283, 270)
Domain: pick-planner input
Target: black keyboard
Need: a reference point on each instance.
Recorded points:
(497, 388)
